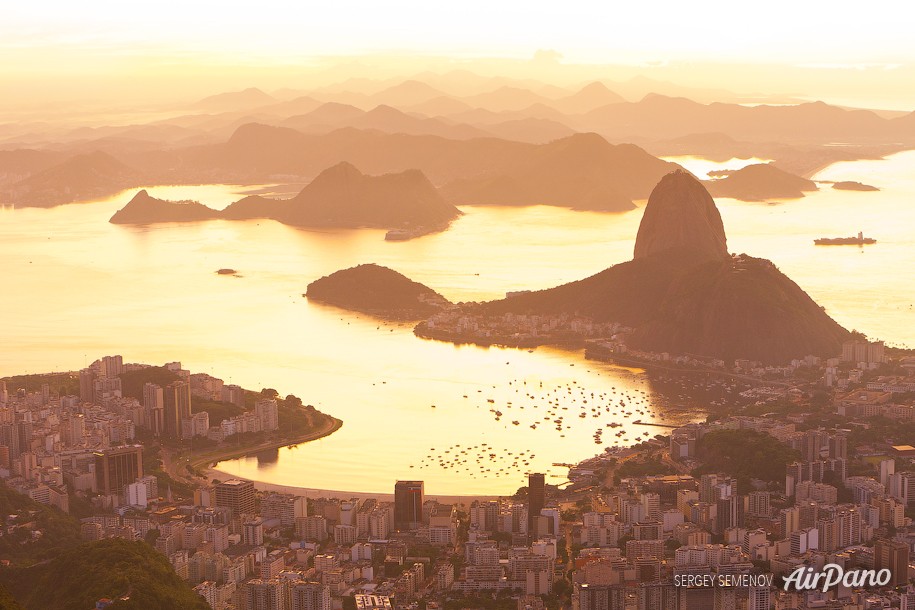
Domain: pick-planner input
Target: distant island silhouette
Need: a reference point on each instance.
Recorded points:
(146, 209)
(584, 148)
(582, 171)
(340, 196)
(847, 185)
(377, 291)
(758, 182)
(682, 293)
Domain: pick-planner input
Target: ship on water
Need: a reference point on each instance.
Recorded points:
(859, 240)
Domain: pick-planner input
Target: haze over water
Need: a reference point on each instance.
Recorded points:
(79, 288)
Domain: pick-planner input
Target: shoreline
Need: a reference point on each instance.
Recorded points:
(827, 164)
(206, 461)
(422, 331)
(647, 365)
(314, 492)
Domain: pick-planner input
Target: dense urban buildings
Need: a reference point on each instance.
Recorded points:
(625, 531)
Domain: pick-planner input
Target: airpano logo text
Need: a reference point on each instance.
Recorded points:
(807, 579)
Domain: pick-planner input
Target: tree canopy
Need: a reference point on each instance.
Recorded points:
(131, 573)
(745, 454)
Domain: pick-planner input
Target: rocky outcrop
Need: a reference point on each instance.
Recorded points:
(684, 294)
(681, 215)
(739, 308)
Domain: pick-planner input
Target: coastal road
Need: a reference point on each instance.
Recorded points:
(176, 465)
(328, 426)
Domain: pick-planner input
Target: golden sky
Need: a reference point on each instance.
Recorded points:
(808, 31)
(203, 46)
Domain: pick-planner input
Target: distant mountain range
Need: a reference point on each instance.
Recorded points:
(510, 142)
(330, 116)
(660, 117)
(650, 116)
(235, 100)
(582, 171)
(80, 177)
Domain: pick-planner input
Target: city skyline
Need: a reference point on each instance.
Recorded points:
(477, 306)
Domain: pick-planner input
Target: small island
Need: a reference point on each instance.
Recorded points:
(757, 183)
(226, 271)
(145, 209)
(339, 197)
(377, 291)
(849, 185)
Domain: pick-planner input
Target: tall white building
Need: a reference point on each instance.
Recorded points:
(154, 405)
(136, 495)
(284, 507)
(266, 412)
(310, 596)
(887, 469)
(112, 366)
(652, 504)
(260, 594)
(759, 598)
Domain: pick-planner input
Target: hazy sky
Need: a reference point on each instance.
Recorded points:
(807, 30)
(48, 45)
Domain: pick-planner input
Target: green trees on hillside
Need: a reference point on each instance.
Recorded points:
(744, 455)
(131, 573)
(20, 516)
(51, 567)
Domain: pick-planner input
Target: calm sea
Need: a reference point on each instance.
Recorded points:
(77, 287)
